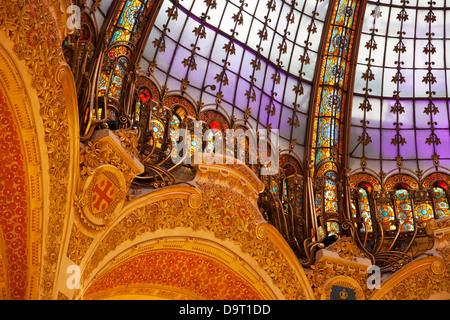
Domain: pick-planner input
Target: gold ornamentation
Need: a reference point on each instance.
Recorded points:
(195, 201)
(438, 267)
(94, 154)
(226, 212)
(325, 273)
(348, 285)
(129, 141)
(103, 196)
(79, 244)
(347, 249)
(420, 286)
(32, 27)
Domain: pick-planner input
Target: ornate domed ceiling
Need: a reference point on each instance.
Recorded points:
(400, 102)
(259, 58)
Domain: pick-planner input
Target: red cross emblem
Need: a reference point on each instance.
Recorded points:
(103, 194)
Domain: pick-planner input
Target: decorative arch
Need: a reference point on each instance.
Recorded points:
(396, 179)
(174, 100)
(217, 221)
(290, 164)
(178, 267)
(42, 163)
(430, 276)
(45, 107)
(355, 179)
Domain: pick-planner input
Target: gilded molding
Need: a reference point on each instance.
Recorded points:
(221, 205)
(32, 27)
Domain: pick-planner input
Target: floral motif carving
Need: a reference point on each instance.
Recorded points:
(79, 243)
(31, 26)
(129, 141)
(347, 249)
(93, 155)
(324, 271)
(420, 286)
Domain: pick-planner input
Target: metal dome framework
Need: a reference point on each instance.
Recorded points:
(357, 89)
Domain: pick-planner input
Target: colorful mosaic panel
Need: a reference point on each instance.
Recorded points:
(211, 116)
(356, 179)
(326, 167)
(119, 51)
(430, 180)
(147, 83)
(172, 101)
(404, 210)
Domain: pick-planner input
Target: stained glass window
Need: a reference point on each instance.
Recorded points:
(364, 209)
(386, 215)
(274, 188)
(424, 213)
(158, 132)
(404, 210)
(125, 28)
(115, 89)
(441, 202)
(331, 202)
(126, 24)
(333, 228)
(196, 143)
(332, 91)
(137, 112)
(318, 203)
(260, 56)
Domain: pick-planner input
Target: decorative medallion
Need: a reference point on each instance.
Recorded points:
(342, 288)
(103, 195)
